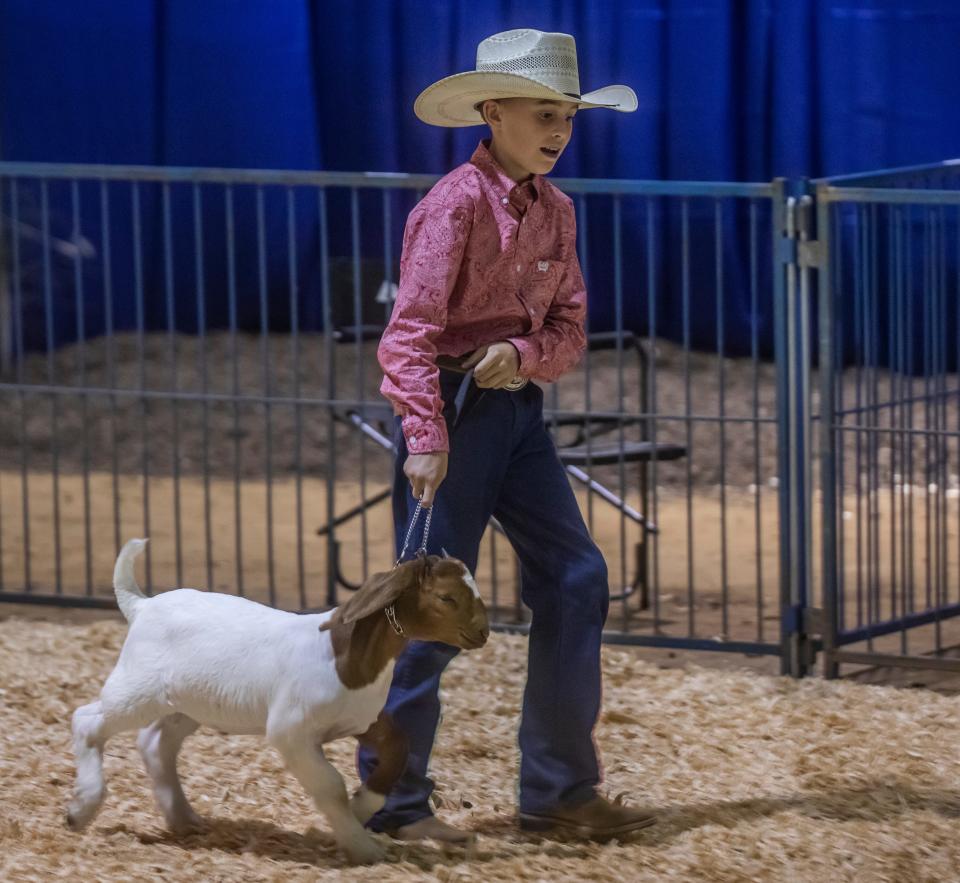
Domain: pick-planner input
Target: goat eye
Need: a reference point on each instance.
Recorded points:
(448, 599)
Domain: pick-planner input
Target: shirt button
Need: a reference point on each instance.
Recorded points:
(505, 200)
(519, 267)
(413, 443)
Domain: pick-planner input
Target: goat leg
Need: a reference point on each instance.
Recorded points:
(325, 785)
(159, 745)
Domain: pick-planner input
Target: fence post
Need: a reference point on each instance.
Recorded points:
(792, 350)
(827, 406)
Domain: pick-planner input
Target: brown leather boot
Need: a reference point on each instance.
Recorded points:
(597, 819)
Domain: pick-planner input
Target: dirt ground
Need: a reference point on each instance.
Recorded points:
(753, 778)
(706, 561)
(673, 600)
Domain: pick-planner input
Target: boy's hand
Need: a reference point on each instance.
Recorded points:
(496, 365)
(426, 472)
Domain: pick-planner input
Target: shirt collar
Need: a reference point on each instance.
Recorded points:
(483, 160)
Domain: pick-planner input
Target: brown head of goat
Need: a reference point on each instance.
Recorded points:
(430, 598)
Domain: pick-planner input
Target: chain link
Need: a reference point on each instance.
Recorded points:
(426, 531)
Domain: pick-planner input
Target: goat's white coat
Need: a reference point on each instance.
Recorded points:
(193, 658)
(240, 667)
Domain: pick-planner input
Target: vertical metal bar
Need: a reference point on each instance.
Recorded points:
(110, 343)
(956, 368)
(799, 364)
(204, 376)
(6, 318)
(901, 479)
(387, 250)
(927, 373)
(24, 447)
(388, 253)
(890, 412)
(755, 417)
(359, 372)
(829, 434)
(297, 410)
(688, 420)
(331, 393)
(780, 205)
(721, 410)
(859, 323)
(909, 304)
(235, 387)
(621, 463)
(582, 249)
(649, 406)
(267, 389)
(838, 436)
(941, 425)
(873, 449)
(142, 373)
(80, 307)
(172, 357)
(51, 379)
(6, 344)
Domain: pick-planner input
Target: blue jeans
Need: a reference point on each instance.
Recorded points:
(503, 462)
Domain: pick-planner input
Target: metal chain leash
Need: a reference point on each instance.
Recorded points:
(426, 532)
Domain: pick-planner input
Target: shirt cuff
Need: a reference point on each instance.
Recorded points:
(425, 436)
(528, 355)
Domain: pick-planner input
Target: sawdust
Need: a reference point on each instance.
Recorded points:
(753, 778)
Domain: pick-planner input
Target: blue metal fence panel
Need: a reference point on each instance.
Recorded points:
(213, 384)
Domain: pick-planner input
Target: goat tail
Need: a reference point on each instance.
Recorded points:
(129, 594)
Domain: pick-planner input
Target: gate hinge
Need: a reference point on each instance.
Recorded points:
(809, 620)
(813, 620)
(810, 253)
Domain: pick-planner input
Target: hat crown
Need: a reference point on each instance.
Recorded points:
(547, 58)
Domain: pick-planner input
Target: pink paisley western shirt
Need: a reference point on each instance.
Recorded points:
(484, 259)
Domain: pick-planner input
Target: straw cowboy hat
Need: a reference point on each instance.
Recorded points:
(516, 64)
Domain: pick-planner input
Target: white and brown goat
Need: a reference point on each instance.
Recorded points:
(193, 658)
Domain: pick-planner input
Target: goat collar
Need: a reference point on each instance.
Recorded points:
(391, 615)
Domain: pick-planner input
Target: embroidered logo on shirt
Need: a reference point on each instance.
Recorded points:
(543, 266)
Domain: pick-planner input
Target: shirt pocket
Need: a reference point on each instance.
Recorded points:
(540, 288)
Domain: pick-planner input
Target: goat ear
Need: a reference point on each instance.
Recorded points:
(380, 591)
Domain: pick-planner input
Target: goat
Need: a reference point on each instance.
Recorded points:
(193, 658)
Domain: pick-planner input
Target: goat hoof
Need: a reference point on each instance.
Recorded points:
(192, 825)
(365, 804)
(76, 819)
(364, 851)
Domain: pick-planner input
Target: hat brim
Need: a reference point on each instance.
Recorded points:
(452, 101)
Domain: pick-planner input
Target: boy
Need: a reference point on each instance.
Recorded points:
(490, 283)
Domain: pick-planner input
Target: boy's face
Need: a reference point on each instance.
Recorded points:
(529, 134)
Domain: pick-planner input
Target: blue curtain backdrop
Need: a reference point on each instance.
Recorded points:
(728, 89)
